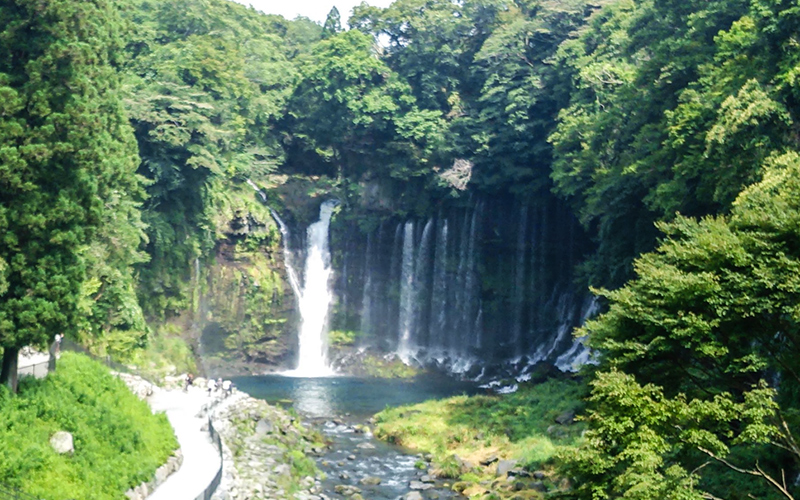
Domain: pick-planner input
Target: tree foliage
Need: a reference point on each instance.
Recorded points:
(68, 187)
(692, 352)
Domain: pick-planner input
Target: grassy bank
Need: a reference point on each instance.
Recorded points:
(118, 442)
(462, 432)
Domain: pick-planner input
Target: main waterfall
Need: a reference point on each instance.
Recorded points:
(315, 299)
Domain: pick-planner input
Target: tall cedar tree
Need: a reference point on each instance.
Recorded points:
(65, 147)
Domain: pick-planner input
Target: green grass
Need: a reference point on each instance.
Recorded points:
(118, 442)
(462, 431)
(379, 367)
(339, 338)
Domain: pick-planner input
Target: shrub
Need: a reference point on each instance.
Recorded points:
(118, 441)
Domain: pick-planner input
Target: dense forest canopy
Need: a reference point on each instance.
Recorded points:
(669, 128)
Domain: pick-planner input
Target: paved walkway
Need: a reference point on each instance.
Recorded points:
(200, 458)
(32, 362)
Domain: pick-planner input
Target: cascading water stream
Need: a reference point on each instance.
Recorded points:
(260, 193)
(406, 321)
(315, 299)
(287, 255)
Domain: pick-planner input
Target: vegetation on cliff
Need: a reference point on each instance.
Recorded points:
(118, 442)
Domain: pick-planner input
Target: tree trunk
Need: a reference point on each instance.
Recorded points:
(8, 374)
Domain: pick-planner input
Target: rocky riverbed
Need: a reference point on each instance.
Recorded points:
(358, 467)
(266, 452)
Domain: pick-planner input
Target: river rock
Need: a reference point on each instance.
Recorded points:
(538, 486)
(264, 427)
(489, 461)
(366, 446)
(463, 463)
(504, 466)
(351, 457)
(346, 490)
(427, 478)
(419, 485)
(538, 475)
(413, 495)
(62, 443)
(283, 470)
(370, 481)
(566, 418)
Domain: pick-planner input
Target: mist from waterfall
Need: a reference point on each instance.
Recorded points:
(315, 299)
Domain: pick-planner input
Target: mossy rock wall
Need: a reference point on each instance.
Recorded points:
(246, 311)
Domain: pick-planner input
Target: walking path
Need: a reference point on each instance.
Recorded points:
(32, 362)
(200, 458)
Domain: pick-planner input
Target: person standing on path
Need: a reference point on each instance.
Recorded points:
(211, 385)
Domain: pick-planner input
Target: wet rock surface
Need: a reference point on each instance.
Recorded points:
(265, 453)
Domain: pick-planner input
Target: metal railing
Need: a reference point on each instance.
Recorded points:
(69, 345)
(38, 370)
(212, 487)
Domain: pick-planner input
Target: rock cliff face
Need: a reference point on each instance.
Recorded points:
(242, 318)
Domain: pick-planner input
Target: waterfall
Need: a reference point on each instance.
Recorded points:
(366, 296)
(420, 297)
(579, 354)
(438, 317)
(315, 299)
(258, 190)
(473, 298)
(406, 319)
(287, 255)
(519, 280)
(486, 281)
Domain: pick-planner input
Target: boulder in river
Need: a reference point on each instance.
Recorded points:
(419, 485)
(370, 481)
(504, 466)
(346, 490)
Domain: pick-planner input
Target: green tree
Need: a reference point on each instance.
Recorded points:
(687, 402)
(208, 81)
(66, 151)
(333, 23)
(351, 114)
(613, 150)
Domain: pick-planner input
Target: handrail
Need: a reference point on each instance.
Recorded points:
(69, 345)
(212, 487)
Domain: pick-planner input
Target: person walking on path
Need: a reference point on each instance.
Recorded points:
(211, 386)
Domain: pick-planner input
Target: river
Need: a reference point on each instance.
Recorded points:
(337, 405)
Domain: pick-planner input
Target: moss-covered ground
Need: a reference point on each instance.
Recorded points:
(463, 432)
(118, 442)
